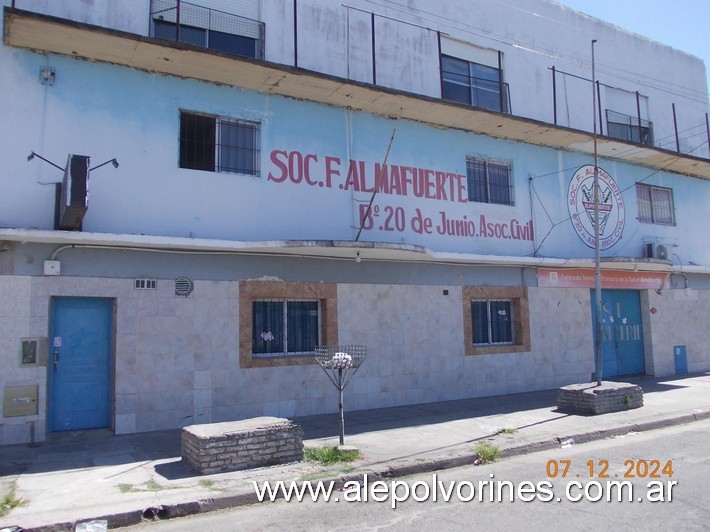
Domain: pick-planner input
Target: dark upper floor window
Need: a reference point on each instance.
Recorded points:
(492, 322)
(489, 181)
(219, 144)
(655, 204)
(207, 28)
(285, 327)
(473, 84)
(625, 127)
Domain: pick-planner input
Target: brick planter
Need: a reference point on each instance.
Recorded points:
(590, 399)
(246, 444)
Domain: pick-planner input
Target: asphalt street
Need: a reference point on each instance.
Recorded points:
(122, 480)
(672, 495)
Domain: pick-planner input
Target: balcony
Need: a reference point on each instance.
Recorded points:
(177, 21)
(629, 128)
(45, 34)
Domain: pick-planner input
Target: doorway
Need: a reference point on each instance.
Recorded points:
(622, 333)
(80, 369)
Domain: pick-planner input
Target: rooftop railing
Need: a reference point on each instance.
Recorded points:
(175, 20)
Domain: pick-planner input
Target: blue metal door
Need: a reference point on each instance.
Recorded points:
(80, 363)
(622, 333)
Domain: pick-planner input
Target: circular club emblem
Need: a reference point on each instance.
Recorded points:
(580, 201)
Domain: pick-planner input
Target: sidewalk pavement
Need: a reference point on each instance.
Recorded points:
(80, 476)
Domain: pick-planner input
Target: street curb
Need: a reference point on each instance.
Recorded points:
(402, 469)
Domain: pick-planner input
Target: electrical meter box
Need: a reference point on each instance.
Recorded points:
(19, 401)
(33, 351)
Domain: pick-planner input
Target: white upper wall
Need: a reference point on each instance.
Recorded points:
(126, 15)
(532, 35)
(337, 38)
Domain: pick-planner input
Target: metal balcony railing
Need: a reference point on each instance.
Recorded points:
(631, 128)
(175, 20)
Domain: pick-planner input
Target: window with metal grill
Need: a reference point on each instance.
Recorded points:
(285, 327)
(489, 181)
(655, 204)
(219, 144)
(492, 322)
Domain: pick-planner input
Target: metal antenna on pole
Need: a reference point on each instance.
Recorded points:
(597, 267)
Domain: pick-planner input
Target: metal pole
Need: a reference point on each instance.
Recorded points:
(374, 52)
(597, 268)
(177, 22)
(599, 99)
(554, 95)
(441, 66)
(295, 33)
(340, 407)
(378, 178)
(707, 127)
(638, 114)
(675, 125)
(501, 94)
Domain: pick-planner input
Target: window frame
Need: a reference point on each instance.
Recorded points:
(284, 328)
(476, 87)
(474, 184)
(492, 332)
(519, 314)
(653, 206)
(212, 153)
(209, 29)
(626, 127)
(250, 291)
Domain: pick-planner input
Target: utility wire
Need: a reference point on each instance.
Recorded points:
(438, 19)
(378, 177)
(622, 191)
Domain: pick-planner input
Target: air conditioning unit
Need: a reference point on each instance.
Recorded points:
(75, 193)
(657, 251)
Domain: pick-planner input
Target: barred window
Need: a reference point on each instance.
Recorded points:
(489, 181)
(492, 322)
(219, 144)
(285, 327)
(655, 204)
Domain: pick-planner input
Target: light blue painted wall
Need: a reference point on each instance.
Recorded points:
(531, 35)
(105, 111)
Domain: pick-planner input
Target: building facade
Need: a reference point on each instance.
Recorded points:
(196, 195)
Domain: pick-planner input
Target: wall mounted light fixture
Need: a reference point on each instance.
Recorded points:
(47, 75)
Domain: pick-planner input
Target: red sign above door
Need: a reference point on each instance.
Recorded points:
(584, 278)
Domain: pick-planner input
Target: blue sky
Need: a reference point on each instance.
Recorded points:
(682, 24)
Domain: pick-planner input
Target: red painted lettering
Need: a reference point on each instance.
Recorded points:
(280, 164)
(394, 180)
(419, 184)
(307, 168)
(462, 197)
(440, 184)
(352, 180)
(430, 185)
(330, 171)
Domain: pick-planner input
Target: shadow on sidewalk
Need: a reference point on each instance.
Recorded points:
(87, 449)
(652, 384)
(101, 448)
(360, 421)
